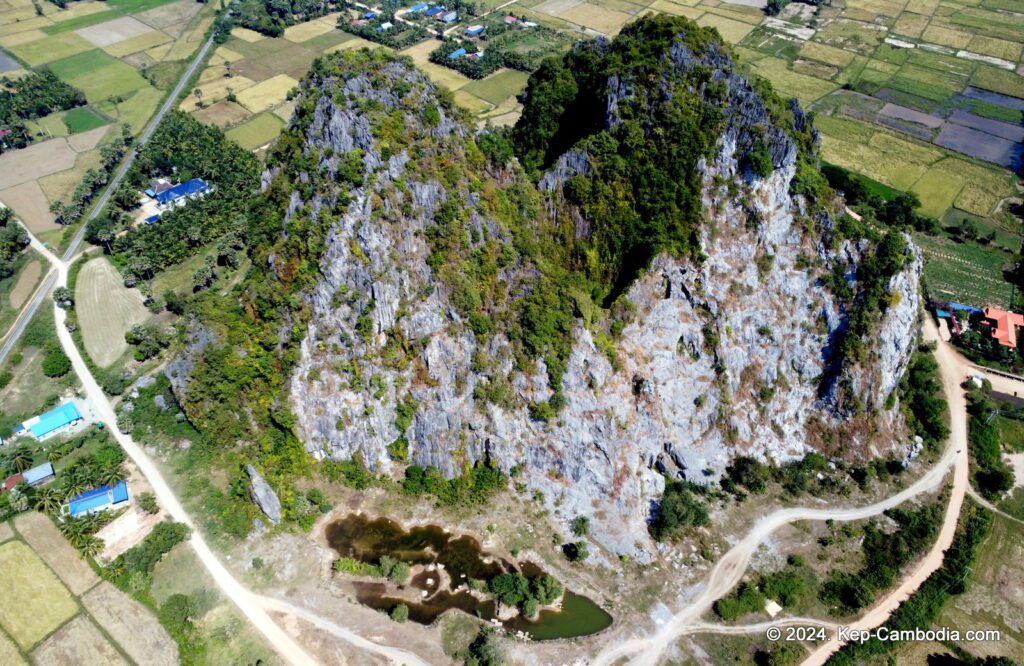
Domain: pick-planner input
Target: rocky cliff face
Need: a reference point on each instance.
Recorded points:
(732, 354)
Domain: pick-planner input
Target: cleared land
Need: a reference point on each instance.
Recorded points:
(31, 206)
(106, 310)
(44, 537)
(133, 627)
(40, 159)
(35, 603)
(26, 283)
(263, 95)
(112, 32)
(77, 642)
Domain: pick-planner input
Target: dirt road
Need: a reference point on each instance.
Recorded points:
(731, 567)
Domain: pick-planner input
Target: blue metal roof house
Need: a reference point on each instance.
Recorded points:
(38, 475)
(370, 15)
(450, 17)
(474, 30)
(98, 499)
(456, 54)
(433, 11)
(190, 188)
(54, 421)
(417, 8)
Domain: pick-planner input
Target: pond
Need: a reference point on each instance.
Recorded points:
(367, 539)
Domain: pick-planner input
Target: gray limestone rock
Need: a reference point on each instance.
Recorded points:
(264, 495)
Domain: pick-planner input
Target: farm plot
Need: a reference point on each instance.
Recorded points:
(499, 86)
(980, 145)
(222, 114)
(966, 273)
(128, 622)
(31, 206)
(106, 310)
(44, 537)
(112, 32)
(257, 132)
(263, 95)
(35, 602)
(36, 161)
(78, 642)
(28, 278)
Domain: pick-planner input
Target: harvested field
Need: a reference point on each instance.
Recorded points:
(266, 94)
(106, 310)
(826, 54)
(44, 537)
(35, 603)
(216, 90)
(910, 24)
(115, 79)
(77, 642)
(911, 115)
(221, 114)
(112, 32)
(471, 102)
(31, 206)
(595, 17)
(676, 9)
(49, 49)
(9, 653)
(980, 145)
(40, 159)
(302, 32)
(732, 31)
(136, 110)
(132, 625)
(170, 14)
(26, 283)
(143, 42)
(257, 132)
(61, 184)
(804, 88)
(5, 533)
(87, 140)
(247, 35)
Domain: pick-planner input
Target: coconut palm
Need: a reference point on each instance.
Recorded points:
(48, 500)
(90, 545)
(111, 475)
(20, 459)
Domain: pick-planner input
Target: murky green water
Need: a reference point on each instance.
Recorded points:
(368, 539)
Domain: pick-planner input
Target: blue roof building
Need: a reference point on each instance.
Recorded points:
(474, 30)
(190, 188)
(152, 218)
(417, 8)
(370, 15)
(54, 421)
(433, 11)
(450, 17)
(457, 53)
(98, 499)
(38, 475)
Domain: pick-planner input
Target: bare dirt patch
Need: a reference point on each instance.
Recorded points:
(46, 539)
(25, 285)
(77, 642)
(5, 533)
(167, 15)
(132, 526)
(132, 625)
(30, 204)
(41, 159)
(112, 32)
(106, 310)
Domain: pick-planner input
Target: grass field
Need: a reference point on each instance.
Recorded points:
(259, 131)
(35, 602)
(965, 272)
(82, 119)
(995, 598)
(266, 94)
(499, 86)
(106, 310)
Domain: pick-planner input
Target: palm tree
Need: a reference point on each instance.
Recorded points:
(20, 459)
(199, 97)
(111, 475)
(53, 455)
(48, 500)
(90, 545)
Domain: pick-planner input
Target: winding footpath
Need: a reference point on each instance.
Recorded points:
(729, 570)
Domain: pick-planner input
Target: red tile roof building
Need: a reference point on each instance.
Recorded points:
(1004, 326)
(12, 481)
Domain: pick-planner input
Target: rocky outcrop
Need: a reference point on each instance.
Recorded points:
(718, 357)
(264, 495)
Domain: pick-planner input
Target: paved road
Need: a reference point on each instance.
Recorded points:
(48, 285)
(730, 568)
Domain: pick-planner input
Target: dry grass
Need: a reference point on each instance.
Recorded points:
(133, 627)
(106, 310)
(595, 17)
(215, 91)
(265, 94)
(222, 114)
(61, 184)
(77, 642)
(31, 206)
(9, 653)
(112, 32)
(302, 32)
(41, 159)
(910, 24)
(676, 9)
(940, 34)
(143, 42)
(247, 35)
(35, 603)
(826, 54)
(44, 537)
(28, 278)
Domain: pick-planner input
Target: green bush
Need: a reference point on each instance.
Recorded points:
(677, 511)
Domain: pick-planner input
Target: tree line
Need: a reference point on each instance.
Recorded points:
(37, 94)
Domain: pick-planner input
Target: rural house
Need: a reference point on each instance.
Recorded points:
(54, 422)
(97, 499)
